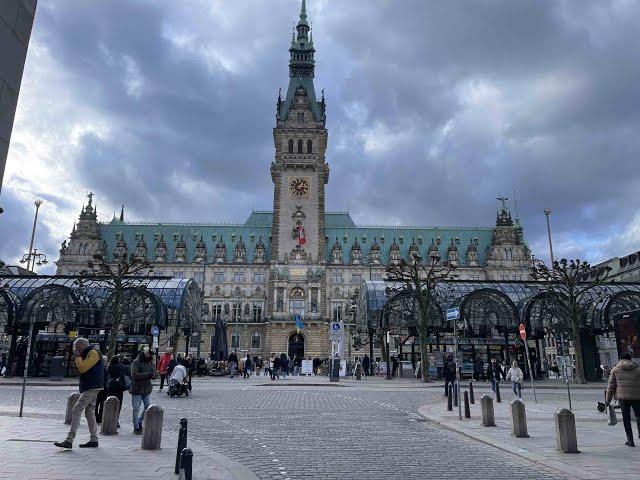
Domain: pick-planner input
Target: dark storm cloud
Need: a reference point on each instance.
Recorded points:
(434, 108)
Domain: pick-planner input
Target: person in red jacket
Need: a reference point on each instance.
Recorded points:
(163, 367)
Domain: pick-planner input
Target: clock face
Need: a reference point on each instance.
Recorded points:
(299, 187)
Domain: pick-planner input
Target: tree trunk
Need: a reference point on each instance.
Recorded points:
(577, 347)
(424, 357)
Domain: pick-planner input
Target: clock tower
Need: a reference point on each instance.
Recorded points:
(299, 172)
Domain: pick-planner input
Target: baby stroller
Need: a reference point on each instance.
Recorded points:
(177, 389)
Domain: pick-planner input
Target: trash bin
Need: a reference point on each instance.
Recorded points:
(56, 368)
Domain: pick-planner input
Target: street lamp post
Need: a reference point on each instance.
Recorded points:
(547, 212)
(27, 360)
(30, 258)
(37, 203)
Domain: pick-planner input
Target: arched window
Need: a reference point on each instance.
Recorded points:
(300, 146)
(255, 340)
(235, 340)
(290, 146)
(309, 146)
(297, 303)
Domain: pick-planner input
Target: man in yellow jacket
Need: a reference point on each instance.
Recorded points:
(91, 368)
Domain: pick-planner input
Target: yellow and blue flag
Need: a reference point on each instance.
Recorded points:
(299, 324)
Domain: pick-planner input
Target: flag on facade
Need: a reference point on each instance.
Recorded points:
(301, 239)
(299, 324)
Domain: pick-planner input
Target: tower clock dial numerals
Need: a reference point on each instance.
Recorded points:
(299, 187)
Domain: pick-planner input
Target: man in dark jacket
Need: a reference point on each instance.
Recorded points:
(494, 372)
(366, 363)
(142, 372)
(233, 364)
(91, 367)
(624, 384)
(449, 373)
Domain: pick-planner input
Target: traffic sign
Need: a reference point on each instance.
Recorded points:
(335, 330)
(155, 331)
(453, 313)
(523, 332)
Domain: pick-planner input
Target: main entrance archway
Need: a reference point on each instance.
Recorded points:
(296, 345)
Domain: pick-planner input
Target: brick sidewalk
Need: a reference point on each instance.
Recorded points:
(28, 453)
(603, 453)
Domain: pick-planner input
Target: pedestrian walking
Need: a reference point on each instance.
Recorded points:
(516, 376)
(118, 381)
(449, 373)
(284, 366)
(233, 364)
(624, 384)
(190, 365)
(366, 363)
(102, 394)
(258, 366)
(142, 372)
(91, 368)
(163, 367)
(493, 373)
(247, 366)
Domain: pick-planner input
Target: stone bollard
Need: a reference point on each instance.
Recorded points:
(498, 399)
(613, 420)
(566, 439)
(182, 443)
(467, 410)
(110, 416)
(518, 419)
(71, 402)
(488, 418)
(450, 399)
(455, 394)
(186, 464)
(472, 399)
(152, 428)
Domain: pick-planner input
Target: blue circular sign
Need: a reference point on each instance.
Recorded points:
(155, 331)
(335, 327)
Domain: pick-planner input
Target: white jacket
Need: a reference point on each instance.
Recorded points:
(515, 374)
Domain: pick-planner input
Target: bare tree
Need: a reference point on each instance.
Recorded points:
(568, 283)
(421, 279)
(118, 275)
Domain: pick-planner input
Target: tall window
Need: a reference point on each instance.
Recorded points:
(356, 278)
(336, 277)
(300, 146)
(301, 117)
(235, 340)
(238, 277)
(297, 303)
(314, 300)
(255, 340)
(309, 146)
(336, 312)
(258, 278)
(290, 146)
(199, 278)
(218, 277)
(216, 312)
(257, 312)
(376, 275)
(237, 311)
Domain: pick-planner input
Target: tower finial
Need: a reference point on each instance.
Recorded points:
(303, 9)
(122, 213)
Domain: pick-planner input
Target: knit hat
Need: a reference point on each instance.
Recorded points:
(143, 348)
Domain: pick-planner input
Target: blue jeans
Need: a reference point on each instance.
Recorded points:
(493, 384)
(135, 403)
(517, 388)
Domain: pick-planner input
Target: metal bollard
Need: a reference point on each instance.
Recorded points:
(71, 402)
(182, 443)
(613, 420)
(152, 428)
(467, 410)
(518, 419)
(450, 399)
(186, 464)
(566, 438)
(498, 399)
(472, 399)
(488, 417)
(455, 394)
(110, 416)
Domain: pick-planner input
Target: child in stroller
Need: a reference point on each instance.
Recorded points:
(178, 382)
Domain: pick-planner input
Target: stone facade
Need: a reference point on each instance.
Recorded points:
(298, 260)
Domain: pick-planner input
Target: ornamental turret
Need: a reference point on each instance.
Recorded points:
(140, 253)
(336, 253)
(221, 252)
(180, 253)
(414, 251)
(394, 253)
(356, 253)
(433, 253)
(374, 253)
(121, 250)
(161, 250)
(259, 252)
(200, 254)
(452, 253)
(472, 253)
(240, 253)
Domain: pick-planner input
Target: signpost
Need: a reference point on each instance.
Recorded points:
(155, 331)
(523, 336)
(453, 314)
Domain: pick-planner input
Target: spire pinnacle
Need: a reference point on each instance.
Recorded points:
(122, 213)
(303, 10)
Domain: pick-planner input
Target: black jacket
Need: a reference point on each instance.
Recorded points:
(494, 372)
(233, 358)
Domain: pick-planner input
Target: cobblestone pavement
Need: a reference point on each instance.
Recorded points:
(290, 432)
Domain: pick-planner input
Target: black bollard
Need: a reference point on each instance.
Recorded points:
(498, 399)
(455, 395)
(472, 399)
(450, 399)
(467, 410)
(186, 463)
(182, 443)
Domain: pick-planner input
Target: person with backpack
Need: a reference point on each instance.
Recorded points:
(118, 381)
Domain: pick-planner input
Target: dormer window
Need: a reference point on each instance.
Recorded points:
(300, 146)
(309, 146)
(301, 117)
(290, 146)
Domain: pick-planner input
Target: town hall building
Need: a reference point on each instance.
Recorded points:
(282, 276)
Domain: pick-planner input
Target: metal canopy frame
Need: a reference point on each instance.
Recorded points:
(489, 305)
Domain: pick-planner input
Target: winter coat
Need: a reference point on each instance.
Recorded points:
(515, 374)
(494, 371)
(163, 365)
(115, 372)
(91, 368)
(142, 372)
(624, 381)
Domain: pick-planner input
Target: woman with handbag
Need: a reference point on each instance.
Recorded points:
(118, 382)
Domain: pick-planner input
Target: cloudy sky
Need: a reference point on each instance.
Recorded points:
(434, 109)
